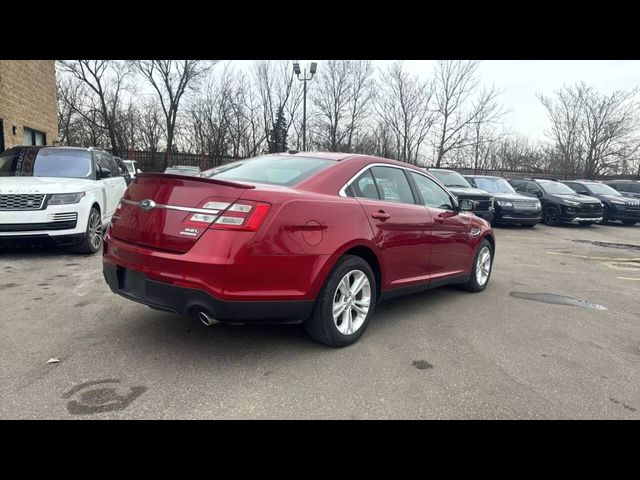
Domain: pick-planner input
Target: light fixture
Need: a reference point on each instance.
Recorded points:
(296, 68)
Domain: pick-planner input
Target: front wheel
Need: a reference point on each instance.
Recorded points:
(92, 239)
(482, 265)
(551, 216)
(345, 304)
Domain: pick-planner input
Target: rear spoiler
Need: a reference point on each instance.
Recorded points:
(195, 179)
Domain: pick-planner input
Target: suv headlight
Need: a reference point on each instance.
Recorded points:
(617, 202)
(65, 198)
(573, 204)
(504, 203)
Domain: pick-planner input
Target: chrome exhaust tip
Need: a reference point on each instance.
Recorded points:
(206, 319)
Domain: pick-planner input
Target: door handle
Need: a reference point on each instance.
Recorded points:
(381, 215)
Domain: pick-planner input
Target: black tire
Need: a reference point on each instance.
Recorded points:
(528, 225)
(605, 216)
(586, 224)
(89, 244)
(472, 285)
(629, 222)
(320, 325)
(551, 216)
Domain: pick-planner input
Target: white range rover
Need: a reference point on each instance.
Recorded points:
(62, 194)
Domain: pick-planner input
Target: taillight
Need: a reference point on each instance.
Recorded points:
(243, 215)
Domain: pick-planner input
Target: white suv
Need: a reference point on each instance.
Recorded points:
(63, 194)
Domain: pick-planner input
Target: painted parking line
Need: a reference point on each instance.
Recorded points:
(614, 259)
(628, 278)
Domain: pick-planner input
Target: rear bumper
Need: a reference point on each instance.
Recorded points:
(186, 301)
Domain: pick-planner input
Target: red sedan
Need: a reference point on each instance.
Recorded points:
(318, 238)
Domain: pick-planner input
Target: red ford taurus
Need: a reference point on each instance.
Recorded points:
(318, 238)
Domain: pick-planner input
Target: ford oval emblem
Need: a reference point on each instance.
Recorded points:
(147, 205)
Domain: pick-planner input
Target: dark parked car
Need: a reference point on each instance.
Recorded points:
(182, 170)
(629, 188)
(318, 238)
(511, 208)
(560, 204)
(457, 185)
(616, 205)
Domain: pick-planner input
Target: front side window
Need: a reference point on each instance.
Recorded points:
(393, 185)
(432, 194)
(272, 170)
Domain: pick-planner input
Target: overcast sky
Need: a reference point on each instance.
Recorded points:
(520, 80)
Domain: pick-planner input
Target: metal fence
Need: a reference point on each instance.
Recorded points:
(505, 173)
(155, 161)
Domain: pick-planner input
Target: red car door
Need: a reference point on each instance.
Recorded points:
(450, 231)
(399, 223)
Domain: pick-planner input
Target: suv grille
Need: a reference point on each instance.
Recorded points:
(21, 201)
(525, 203)
(633, 206)
(592, 208)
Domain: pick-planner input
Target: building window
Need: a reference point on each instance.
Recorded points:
(33, 137)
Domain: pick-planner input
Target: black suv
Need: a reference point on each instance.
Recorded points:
(461, 189)
(616, 205)
(560, 204)
(628, 188)
(511, 208)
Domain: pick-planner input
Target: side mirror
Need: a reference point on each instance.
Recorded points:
(104, 172)
(467, 205)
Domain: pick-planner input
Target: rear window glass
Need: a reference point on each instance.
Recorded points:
(272, 170)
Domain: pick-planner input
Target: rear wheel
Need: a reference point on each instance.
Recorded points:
(92, 239)
(629, 222)
(345, 304)
(551, 216)
(481, 272)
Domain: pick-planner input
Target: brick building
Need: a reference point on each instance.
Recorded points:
(28, 109)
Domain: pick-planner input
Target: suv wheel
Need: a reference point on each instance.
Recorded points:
(551, 216)
(92, 240)
(345, 304)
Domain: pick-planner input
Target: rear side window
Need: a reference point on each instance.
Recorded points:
(393, 185)
(432, 194)
(365, 187)
(272, 170)
(113, 165)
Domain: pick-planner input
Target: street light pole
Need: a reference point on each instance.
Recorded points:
(304, 79)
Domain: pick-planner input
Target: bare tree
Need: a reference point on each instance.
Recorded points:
(402, 103)
(565, 112)
(171, 79)
(106, 80)
(341, 97)
(279, 91)
(458, 117)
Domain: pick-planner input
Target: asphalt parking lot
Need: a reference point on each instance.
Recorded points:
(437, 355)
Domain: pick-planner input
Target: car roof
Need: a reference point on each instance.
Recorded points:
(482, 176)
(336, 156)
